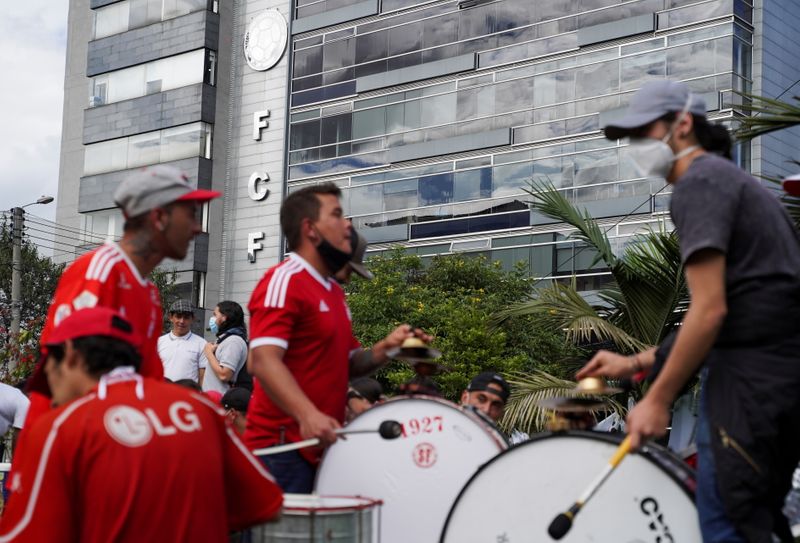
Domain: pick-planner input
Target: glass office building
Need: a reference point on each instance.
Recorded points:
(432, 116)
(435, 117)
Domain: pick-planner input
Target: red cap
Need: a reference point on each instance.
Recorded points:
(791, 185)
(94, 321)
(200, 195)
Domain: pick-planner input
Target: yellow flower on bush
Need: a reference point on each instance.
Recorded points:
(389, 290)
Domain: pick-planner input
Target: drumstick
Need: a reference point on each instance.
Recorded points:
(563, 522)
(388, 429)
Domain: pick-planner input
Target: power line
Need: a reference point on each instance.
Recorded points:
(77, 241)
(58, 230)
(60, 226)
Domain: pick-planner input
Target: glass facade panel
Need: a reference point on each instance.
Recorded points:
(129, 14)
(191, 140)
(152, 77)
(553, 106)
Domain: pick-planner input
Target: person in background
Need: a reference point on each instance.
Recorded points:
(235, 403)
(364, 392)
(181, 350)
(488, 392)
(13, 409)
(356, 262)
(127, 458)
(228, 356)
(420, 384)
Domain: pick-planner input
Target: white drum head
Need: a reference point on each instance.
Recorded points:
(516, 496)
(416, 476)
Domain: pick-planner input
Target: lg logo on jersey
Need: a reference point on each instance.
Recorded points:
(133, 428)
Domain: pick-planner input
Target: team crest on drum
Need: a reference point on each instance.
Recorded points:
(424, 455)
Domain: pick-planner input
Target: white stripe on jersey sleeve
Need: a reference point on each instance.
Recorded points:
(108, 267)
(276, 341)
(98, 256)
(278, 283)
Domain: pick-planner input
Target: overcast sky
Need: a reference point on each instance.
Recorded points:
(33, 35)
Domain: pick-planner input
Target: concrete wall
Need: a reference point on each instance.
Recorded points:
(75, 101)
(248, 92)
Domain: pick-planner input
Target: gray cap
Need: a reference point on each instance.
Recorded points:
(157, 186)
(651, 102)
(359, 244)
(181, 306)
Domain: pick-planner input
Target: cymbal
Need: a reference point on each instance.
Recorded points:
(414, 350)
(571, 405)
(595, 386)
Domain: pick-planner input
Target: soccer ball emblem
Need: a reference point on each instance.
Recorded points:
(265, 40)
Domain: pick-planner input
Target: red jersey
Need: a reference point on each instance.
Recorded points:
(295, 308)
(107, 278)
(135, 460)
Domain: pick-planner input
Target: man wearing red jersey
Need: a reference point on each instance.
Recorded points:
(160, 209)
(127, 458)
(302, 347)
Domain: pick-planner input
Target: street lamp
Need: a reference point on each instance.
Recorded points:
(18, 224)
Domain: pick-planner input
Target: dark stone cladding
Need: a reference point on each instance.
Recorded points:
(158, 40)
(152, 112)
(96, 192)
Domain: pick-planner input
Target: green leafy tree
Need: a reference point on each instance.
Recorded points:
(39, 279)
(645, 302)
(165, 281)
(452, 298)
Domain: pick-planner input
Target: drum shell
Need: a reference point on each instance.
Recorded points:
(322, 519)
(416, 494)
(516, 495)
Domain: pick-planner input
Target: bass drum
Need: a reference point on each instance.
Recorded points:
(515, 497)
(416, 476)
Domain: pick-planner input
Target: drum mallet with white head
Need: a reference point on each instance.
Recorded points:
(388, 429)
(563, 522)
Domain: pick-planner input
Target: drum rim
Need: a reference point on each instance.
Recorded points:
(499, 438)
(602, 436)
(364, 503)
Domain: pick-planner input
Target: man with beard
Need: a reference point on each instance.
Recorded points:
(302, 348)
(161, 211)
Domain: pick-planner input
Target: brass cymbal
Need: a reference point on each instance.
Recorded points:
(595, 386)
(571, 405)
(414, 350)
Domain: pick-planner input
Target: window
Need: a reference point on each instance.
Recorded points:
(128, 14)
(101, 225)
(152, 77)
(191, 140)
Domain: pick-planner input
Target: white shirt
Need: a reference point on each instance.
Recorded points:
(13, 407)
(182, 356)
(231, 353)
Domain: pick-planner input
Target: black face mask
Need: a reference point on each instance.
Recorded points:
(334, 259)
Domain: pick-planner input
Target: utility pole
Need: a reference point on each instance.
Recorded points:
(18, 222)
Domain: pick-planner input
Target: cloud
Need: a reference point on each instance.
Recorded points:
(32, 58)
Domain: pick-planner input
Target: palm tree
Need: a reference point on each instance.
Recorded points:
(769, 115)
(646, 300)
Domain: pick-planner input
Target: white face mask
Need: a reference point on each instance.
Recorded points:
(654, 158)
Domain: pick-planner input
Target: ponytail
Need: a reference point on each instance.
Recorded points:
(714, 138)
